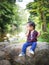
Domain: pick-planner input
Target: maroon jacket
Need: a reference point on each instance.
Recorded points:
(34, 36)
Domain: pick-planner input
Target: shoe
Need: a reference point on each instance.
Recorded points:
(21, 54)
(32, 52)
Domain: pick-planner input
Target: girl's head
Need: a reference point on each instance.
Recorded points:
(30, 26)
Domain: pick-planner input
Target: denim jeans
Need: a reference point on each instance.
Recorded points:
(27, 44)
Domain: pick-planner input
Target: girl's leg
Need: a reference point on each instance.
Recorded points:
(25, 47)
(34, 44)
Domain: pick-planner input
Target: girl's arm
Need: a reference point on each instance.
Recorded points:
(39, 33)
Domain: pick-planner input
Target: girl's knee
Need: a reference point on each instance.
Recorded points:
(25, 45)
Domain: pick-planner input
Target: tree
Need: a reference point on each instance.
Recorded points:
(9, 16)
(40, 9)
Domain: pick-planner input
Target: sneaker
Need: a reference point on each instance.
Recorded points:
(21, 54)
(32, 52)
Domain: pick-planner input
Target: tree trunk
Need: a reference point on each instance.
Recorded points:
(43, 19)
(44, 26)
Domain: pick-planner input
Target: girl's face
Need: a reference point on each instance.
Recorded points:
(29, 28)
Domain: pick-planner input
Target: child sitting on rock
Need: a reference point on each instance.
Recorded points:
(31, 39)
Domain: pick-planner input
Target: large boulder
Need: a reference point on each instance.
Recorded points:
(4, 62)
(3, 45)
(41, 56)
(2, 55)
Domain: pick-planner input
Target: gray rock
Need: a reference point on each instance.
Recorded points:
(3, 45)
(4, 62)
(2, 55)
(41, 56)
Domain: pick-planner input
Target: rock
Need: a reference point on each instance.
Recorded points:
(3, 45)
(11, 53)
(41, 56)
(2, 55)
(4, 62)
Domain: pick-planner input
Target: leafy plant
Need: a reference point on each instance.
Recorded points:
(40, 8)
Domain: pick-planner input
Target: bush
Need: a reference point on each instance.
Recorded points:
(44, 37)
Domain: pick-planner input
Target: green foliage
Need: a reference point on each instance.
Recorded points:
(32, 8)
(10, 1)
(44, 37)
(8, 15)
(40, 8)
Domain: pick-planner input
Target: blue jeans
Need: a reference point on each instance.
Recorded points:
(27, 44)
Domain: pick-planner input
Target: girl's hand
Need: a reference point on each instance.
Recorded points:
(27, 33)
(39, 33)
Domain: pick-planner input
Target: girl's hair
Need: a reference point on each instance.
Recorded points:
(31, 24)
